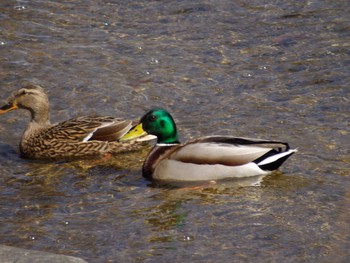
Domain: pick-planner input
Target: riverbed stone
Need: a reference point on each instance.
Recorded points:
(10, 254)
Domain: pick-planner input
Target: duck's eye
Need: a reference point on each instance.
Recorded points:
(19, 93)
(23, 92)
(152, 118)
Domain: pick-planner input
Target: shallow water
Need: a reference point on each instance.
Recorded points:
(276, 70)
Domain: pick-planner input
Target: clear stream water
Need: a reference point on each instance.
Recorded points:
(267, 69)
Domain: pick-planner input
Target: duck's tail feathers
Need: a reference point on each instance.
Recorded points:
(274, 159)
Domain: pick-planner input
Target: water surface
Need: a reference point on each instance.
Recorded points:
(275, 70)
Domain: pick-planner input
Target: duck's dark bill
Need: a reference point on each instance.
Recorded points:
(7, 107)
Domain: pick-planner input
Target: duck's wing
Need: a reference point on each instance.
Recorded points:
(229, 151)
(269, 161)
(243, 141)
(82, 129)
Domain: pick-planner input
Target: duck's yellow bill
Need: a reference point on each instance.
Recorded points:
(134, 133)
(8, 107)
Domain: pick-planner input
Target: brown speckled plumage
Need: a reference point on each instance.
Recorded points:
(74, 138)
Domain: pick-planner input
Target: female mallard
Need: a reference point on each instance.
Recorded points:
(74, 138)
(207, 158)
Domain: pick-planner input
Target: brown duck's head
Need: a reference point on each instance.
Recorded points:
(30, 97)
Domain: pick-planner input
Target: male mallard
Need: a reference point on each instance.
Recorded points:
(206, 158)
(74, 138)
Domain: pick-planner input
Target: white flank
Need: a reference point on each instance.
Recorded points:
(172, 170)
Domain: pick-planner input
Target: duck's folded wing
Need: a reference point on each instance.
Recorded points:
(244, 141)
(90, 128)
(112, 131)
(230, 151)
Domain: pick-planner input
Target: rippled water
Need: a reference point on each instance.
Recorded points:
(267, 69)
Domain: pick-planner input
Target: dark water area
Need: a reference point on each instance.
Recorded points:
(264, 69)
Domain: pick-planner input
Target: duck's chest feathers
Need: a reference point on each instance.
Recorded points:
(157, 154)
(32, 142)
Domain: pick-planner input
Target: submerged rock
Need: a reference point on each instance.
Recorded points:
(13, 254)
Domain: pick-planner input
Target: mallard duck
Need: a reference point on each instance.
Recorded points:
(204, 159)
(74, 138)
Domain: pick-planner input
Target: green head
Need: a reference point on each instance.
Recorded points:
(160, 123)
